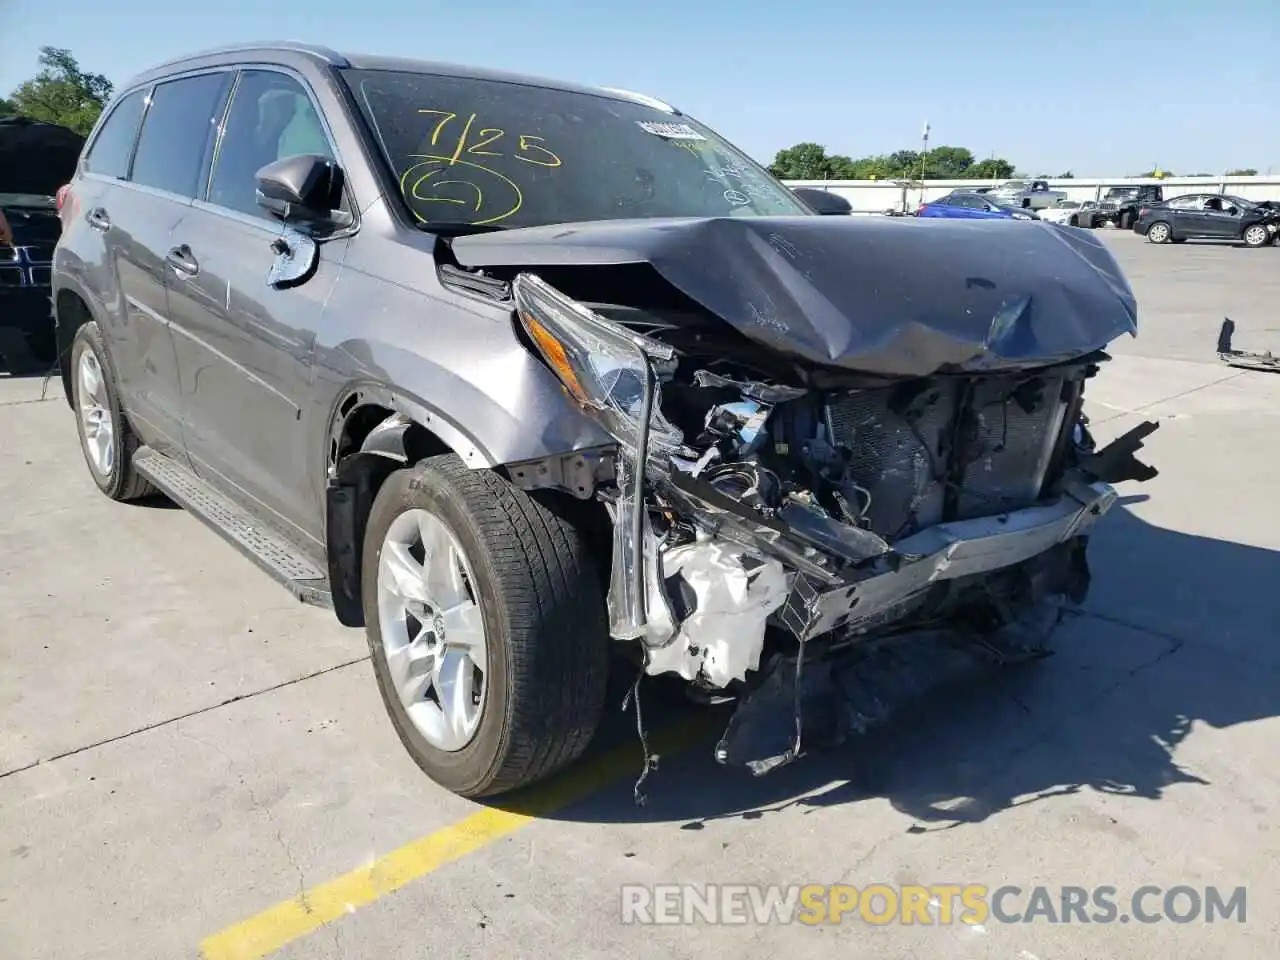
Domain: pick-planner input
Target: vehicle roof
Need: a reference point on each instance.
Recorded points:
(287, 51)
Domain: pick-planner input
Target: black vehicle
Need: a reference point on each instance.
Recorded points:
(518, 375)
(824, 201)
(1120, 205)
(1208, 216)
(35, 159)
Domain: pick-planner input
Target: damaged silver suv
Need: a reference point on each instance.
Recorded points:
(501, 368)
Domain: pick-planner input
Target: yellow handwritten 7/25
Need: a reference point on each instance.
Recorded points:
(482, 142)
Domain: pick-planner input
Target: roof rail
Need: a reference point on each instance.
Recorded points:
(285, 46)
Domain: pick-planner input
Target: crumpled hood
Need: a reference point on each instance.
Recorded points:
(885, 295)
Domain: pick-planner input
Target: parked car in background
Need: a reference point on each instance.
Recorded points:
(1208, 216)
(1073, 213)
(972, 206)
(516, 394)
(35, 159)
(1027, 194)
(823, 201)
(1120, 205)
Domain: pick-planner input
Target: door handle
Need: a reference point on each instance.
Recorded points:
(98, 219)
(183, 261)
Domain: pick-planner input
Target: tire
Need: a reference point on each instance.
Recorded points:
(1256, 235)
(1074, 221)
(107, 442)
(1125, 222)
(540, 605)
(1160, 232)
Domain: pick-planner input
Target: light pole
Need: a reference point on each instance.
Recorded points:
(924, 152)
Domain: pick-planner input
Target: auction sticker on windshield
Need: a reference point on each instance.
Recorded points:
(672, 131)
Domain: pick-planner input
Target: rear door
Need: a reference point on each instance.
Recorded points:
(1186, 215)
(246, 349)
(132, 196)
(959, 207)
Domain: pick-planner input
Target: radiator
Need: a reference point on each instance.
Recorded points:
(903, 452)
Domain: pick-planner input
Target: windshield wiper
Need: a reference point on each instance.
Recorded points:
(457, 228)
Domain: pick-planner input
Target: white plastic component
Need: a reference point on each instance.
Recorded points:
(724, 636)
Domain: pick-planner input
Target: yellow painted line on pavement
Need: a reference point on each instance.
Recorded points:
(274, 928)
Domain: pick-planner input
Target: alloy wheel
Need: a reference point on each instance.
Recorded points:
(95, 414)
(432, 629)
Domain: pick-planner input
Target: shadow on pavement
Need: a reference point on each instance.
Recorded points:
(1105, 713)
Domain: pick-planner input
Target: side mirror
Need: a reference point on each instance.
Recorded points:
(302, 189)
(1233, 210)
(820, 201)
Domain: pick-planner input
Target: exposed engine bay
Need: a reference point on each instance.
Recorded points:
(770, 510)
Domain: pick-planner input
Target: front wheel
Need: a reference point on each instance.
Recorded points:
(486, 626)
(1256, 235)
(1126, 221)
(1159, 232)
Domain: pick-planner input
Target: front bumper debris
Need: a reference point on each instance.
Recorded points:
(820, 702)
(946, 551)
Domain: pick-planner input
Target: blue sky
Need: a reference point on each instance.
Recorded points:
(1096, 87)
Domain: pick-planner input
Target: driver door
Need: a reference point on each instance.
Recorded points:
(1221, 218)
(245, 348)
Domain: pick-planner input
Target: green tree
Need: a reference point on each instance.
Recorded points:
(948, 163)
(7, 109)
(991, 169)
(810, 161)
(804, 161)
(62, 93)
(1243, 172)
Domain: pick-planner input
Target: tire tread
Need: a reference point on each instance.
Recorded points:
(554, 610)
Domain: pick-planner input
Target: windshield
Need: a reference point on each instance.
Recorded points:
(1122, 192)
(492, 152)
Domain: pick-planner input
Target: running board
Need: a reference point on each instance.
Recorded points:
(271, 551)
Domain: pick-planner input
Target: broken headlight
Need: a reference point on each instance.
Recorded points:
(611, 371)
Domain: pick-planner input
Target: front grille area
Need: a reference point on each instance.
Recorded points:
(924, 460)
(25, 266)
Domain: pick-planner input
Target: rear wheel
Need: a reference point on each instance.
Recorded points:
(106, 439)
(1160, 232)
(1256, 235)
(486, 627)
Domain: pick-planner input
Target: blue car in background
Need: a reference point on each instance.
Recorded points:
(971, 206)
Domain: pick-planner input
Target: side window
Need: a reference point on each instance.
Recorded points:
(1190, 202)
(113, 146)
(271, 118)
(177, 133)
